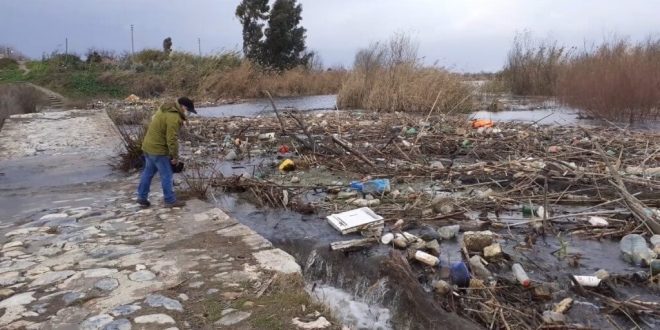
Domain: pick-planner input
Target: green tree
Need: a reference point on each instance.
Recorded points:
(252, 15)
(284, 47)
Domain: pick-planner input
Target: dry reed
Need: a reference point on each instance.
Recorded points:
(389, 77)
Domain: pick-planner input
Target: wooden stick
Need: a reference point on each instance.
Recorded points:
(277, 114)
(336, 139)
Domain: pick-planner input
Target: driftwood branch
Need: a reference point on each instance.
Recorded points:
(336, 139)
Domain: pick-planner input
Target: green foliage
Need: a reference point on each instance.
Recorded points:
(86, 84)
(284, 47)
(284, 44)
(8, 64)
(251, 14)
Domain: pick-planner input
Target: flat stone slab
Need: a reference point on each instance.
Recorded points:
(96, 322)
(155, 318)
(52, 277)
(156, 300)
(121, 324)
(124, 310)
(277, 260)
(232, 316)
(107, 284)
(142, 276)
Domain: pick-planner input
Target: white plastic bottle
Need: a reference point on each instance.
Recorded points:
(520, 275)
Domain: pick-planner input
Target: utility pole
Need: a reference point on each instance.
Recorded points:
(132, 42)
(66, 46)
(199, 46)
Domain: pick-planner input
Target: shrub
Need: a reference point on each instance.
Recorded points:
(532, 68)
(132, 131)
(389, 77)
(8, 64)
(149, 56)
(617, 80)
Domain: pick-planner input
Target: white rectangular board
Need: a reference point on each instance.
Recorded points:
(353, 220)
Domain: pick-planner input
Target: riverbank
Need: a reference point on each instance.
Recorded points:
(77, 252)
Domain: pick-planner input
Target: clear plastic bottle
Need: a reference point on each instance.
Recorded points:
(520, 275)
(634, 250)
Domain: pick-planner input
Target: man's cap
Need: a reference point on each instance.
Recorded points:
(188, 103)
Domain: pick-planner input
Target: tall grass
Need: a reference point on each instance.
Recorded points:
(390, 77)
(18, 98)
(617, 80)
(532, 67)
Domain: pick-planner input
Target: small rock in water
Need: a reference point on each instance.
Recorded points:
(493, 251)
(449, 232)
(441, 287)
(183, 297)
(552, 317)
(295, 179)
(156, 300)
(142, 276)
(433, 246)
(400, 242)
(428, 234)
(477, 240)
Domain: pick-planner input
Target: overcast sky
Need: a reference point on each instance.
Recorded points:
(464, 35)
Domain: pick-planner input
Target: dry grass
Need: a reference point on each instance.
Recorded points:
(533, 67)
(18, 98)
(248, 80)
(132, 129)
(389, 77)
(618, 80)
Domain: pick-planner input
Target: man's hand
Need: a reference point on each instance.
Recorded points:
(174, 161)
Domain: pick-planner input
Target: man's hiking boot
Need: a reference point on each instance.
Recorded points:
(175, 204)
(143, 203)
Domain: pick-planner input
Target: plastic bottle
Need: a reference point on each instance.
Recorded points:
(426, 258)
(634, 250)
(520, 275)
(460, 275)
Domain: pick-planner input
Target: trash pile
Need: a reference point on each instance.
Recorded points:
(426, 184)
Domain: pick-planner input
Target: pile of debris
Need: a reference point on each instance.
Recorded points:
(415, 182)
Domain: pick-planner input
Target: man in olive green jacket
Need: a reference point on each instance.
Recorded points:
(161, 150)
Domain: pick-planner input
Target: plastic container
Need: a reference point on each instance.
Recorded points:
(520, 275)
(372, 186)
(588, 281)
(426, 258)
(460, 275)
(634, 250)
(287, 165)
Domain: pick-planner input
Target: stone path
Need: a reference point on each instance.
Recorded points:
(100, 262)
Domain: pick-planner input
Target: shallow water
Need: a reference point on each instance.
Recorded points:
(262, 106)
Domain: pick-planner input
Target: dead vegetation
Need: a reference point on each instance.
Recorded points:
(389, 77)
(132, 127)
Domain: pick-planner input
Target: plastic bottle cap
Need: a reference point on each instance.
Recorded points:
(526, 283)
